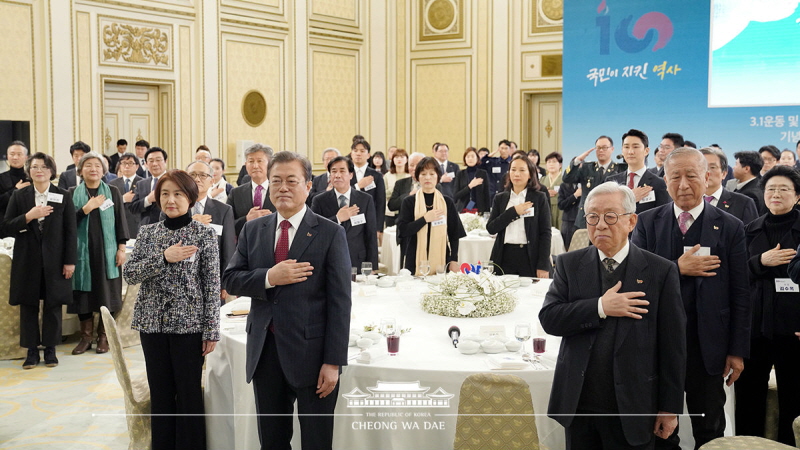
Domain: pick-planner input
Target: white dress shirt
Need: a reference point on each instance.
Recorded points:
(716, 196)
(295, 220)
(264, 193)
(515, 231)
(618, 258)
(222, 184)
(637, 176)
(347, 199)
(695, 212)
(41, 199)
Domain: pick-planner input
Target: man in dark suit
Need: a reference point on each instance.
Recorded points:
(649, 190)
(251, 200)
(141, 147)
(122, 146)
(69, 178)
(15, 177)
(708, 247)
(449, 169)
(669, 142)
(144, 201)
(733, 203)
(368, 180)
(747, 172)
(322, 183)
(623, 352)
(295, 266)
(213, 213)
(591, 174)
(569, 195)
(351, 209)
(126, 183)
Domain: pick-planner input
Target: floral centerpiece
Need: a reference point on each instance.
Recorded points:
(469, 295)
(472, 222)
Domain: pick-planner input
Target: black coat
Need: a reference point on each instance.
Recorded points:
(449, 189)
(8, 184)
(362, 240)
(462, 191)
(537, 228)
(38, 252)
(567, 202)
(755, 192)
(407, 229)
(378, 194)
(738, 205)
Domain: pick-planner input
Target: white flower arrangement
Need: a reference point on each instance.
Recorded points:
(472, 222)
(469, 295)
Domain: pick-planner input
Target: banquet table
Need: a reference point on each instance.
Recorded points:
(426, 361)
(471, 248)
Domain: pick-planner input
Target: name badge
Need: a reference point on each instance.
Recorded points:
(556, 188)
(106, 204)
(528, 213)
(496, 169)
(358, 219)
(785, 285)
(651, 197)
(55, 197)
(451, 174)
(704, 251)
(217, 228)
(370, 186)
(441, 221)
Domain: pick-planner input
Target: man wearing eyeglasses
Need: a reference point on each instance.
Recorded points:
(214, 214)
(591, 174)
(618, 308)
(669, 142)
(295, 266)
(250, 200)
(128, 164)
(708, 246)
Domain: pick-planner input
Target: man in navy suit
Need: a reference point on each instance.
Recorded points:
(650, 191)
(251, 199)
(449, 169)
(294, 265)
(708, 247)
(367, 179)
(738, 205)
(621, 365)
(351, 209)
(144, 201)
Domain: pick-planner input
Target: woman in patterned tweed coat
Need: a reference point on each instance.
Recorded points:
(176, 312)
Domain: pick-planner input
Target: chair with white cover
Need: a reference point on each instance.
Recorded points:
(137, 392)
(9, 315)
(580, 239)
(495, 411)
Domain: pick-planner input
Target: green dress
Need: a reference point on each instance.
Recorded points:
(555, 213)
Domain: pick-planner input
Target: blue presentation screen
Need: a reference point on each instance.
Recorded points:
(724, 72)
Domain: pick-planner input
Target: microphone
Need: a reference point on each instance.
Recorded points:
(620, 156)
(454, 332)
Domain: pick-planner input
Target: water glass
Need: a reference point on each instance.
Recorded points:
(366, 269)
(522, 331)
(424, 267)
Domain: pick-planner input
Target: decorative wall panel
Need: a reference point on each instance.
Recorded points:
(341, 9)
(16, 59)
(547, 16)
(84, 76)
(185, 55)
(334, 99)
(441, 105)
(135, 44)
(441, 20)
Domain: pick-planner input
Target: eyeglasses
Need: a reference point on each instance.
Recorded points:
(199, 175)
(127, 163)
(610, 218)
(38, 168)
(289, 183)
(605, 147)
(771, 190)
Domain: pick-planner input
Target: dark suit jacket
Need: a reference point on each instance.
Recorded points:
(722, 301)
(401, 190)
(462, 191)
(318, 185)
(38, 253)
(753, 191)
(362, 240)
(650, 353)
(738, 205)
(134, 219)
(588, 175)
(68, 179)
(537, 228)
(378, 194)
(8, 184)
(114, 161)
(449, 189)
(311, 318)
(241, 200)
(567, 202)
(222, 214)
(150, 214)
(647, 179)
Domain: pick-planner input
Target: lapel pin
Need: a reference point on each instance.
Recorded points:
(639, 281)
(716, 227)
(308, 234)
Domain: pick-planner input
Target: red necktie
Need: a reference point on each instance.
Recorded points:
(258, 200)
(282, 249)
(630, 179)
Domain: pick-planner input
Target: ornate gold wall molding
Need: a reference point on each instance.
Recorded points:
(547, 16)
(135, 44)
(441, 20)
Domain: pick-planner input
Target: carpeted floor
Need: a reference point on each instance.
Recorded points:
(77, 405)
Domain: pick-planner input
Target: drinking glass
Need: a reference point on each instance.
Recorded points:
(366, 269)
(440, 270)
(538, 350)
(353, 274)
(424, 268)
(488, 267)
(522, 331)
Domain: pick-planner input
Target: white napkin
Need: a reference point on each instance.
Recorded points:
(507, 362)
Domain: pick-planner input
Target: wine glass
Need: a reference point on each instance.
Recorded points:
(424, 268)
(538, 350)
(366, 269)
(522, 331)
(488, 267)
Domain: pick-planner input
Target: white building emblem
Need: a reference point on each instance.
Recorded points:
(398, 394)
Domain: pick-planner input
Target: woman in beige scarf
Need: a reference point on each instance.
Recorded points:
(428, 224)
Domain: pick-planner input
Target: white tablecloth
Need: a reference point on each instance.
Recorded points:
(426, 356)
(471, 248)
